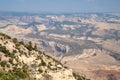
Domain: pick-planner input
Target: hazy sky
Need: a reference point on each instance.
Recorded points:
(60, 5)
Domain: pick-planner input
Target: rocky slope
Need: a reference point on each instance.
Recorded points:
(96, 64)
(24, 62)
(86, 43)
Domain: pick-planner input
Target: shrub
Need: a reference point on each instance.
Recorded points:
(5, 36)
(8, 65)
(14, 51)
(4, 50)
(20, 74)
(11, 61)
(35, 47)
(78, 77)
(15, 40)
(29, 46)
(40, 70)
(3, 63)
(43, 63)
(21, 42)
(12, 75)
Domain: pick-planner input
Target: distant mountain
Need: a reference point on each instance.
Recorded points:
(88, 43)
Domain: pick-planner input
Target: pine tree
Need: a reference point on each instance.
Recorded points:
(35, 47)
(29, 46)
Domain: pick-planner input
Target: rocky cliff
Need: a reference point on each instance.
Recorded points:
(19, 61)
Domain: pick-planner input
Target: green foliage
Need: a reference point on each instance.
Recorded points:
(16, 42)
(35, 47)
(1, 78)
(21, 42)
(5, 36)
(4, 50)
(3, 63)
(8, 65)
(14, 51)
(16, 74)
(29, 46)
(11, 61)
(20, 73)
(78, 77)
(40, 52)
(7, 75)
(43, 63)
(40, 70)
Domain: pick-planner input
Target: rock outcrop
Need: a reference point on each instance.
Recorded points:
(19, 61)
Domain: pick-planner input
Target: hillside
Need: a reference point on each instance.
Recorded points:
(86, 43)
(19, 61)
